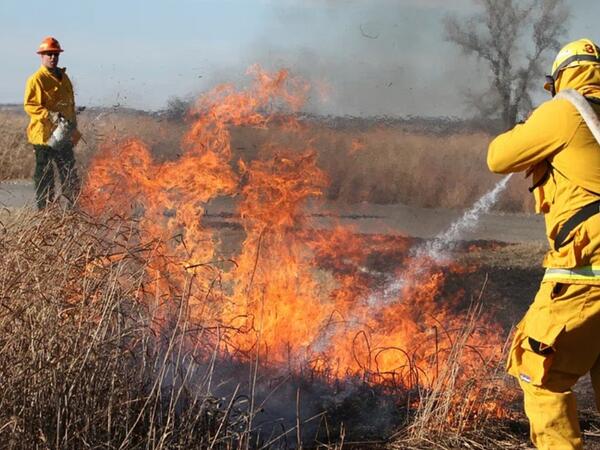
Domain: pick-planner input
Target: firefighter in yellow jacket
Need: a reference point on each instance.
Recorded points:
(49, 102)
(558, 340)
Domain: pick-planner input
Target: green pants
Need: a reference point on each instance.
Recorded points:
(43, 176)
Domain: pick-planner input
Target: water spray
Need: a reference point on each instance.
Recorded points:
(445, 241)
(438, 248)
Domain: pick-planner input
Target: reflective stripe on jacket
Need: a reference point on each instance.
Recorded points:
(557, 149)
(44, 93)
(587, 274)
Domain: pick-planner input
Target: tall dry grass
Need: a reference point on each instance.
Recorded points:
(97, 126)
(83, 363)
(16, 155)
(89, 360)
(451, 415)
(392, 164)
(378, 163)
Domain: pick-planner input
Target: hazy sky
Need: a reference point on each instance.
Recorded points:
(376, 56)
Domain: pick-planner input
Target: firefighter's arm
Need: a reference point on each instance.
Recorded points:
(33, 101)
(530, 143)
(72, 113)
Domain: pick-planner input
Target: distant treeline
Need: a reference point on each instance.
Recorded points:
(442, 125)
(430, 125)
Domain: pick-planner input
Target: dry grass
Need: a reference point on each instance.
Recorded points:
(390, 164)
(83, 363)
(442, 421)
(88, 360)
(375, 163)
(15, 153)
(97, 126)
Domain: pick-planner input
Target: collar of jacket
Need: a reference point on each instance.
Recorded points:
(60, 71)
(583, 79)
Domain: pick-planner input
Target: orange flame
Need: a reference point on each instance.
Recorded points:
(356, 146)
(331, 300)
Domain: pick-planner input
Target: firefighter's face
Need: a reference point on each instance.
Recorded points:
(50, 59)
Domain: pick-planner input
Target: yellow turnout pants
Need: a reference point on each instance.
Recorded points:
(556, 343)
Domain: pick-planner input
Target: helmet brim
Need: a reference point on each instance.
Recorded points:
(50, 50)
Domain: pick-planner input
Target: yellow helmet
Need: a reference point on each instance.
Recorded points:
(577, 53)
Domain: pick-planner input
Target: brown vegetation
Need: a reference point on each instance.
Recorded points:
(397, 165)
(83, 364)
(16, 156)
(374, 163)
(86, 364)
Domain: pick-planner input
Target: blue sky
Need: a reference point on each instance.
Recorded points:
(377, 56)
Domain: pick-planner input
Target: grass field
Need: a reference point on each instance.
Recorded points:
(371, 163)
(87, 364)
(113, 339)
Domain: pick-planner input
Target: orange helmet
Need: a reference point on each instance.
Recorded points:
(49, 44)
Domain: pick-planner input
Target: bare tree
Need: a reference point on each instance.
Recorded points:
(514, 38)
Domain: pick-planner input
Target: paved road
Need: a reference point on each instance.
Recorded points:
(18, 193)
(366, 218)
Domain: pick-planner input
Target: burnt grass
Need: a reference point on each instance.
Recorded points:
(504, 276)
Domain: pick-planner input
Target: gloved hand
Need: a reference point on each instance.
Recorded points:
(55, 116)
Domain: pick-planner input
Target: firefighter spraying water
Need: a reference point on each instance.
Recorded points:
(558, 340)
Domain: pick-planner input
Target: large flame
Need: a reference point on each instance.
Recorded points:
(300, 296)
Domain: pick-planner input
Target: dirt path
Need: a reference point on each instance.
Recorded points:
(365, 218)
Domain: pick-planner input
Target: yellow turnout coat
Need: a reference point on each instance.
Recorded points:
(558, 340)
(45, 93)
(558, 150)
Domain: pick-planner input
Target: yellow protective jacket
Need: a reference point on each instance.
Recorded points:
(557, 149)
(44, 93)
